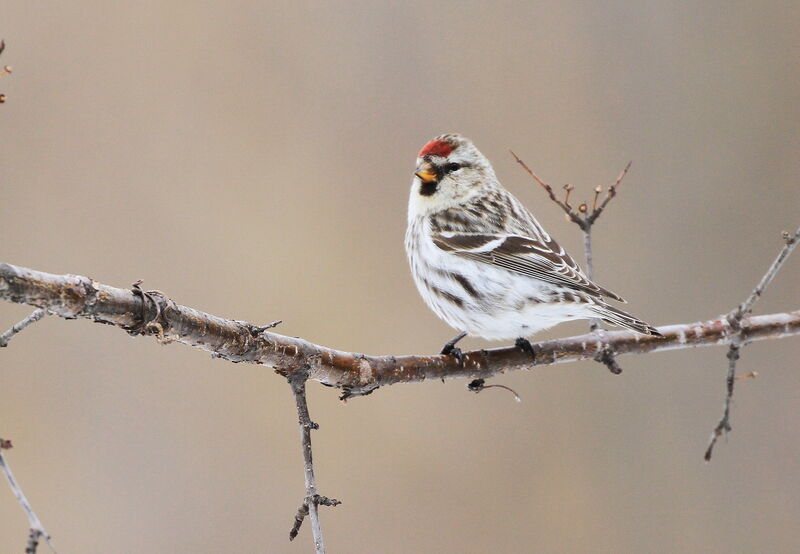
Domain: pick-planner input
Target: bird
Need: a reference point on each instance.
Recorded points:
(483, 263)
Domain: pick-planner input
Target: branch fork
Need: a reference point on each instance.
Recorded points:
(737, 325)
(585, 218)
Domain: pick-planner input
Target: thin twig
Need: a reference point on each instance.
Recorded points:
(584, 219)
(735, 320)
(724, 425)
(36, 528)
(594, 323)
(747, 306)
(612, 192)
(312, 500)
(17, 327)
(575, 218)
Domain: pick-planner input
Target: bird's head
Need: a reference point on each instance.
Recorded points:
(450, 171)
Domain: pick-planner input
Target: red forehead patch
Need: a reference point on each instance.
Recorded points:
(436, 148)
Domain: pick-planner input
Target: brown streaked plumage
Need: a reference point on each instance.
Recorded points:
(480, 259)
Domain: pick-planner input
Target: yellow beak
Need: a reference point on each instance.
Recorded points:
(426, 173)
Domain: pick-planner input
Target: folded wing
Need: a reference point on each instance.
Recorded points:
(540, 259)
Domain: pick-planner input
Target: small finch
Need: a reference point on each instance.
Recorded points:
(483, 263)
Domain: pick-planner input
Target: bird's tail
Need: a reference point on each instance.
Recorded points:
(615, 316)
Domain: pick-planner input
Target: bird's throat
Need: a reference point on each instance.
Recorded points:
(427, 189)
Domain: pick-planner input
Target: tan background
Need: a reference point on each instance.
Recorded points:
(253, 160)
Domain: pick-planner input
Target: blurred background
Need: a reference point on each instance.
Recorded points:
(253, 160)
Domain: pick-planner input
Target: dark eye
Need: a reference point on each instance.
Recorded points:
(452, 167)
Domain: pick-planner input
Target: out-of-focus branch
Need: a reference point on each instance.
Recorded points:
(737, 323)
(37, 530)
(5, 70)
(73, 296)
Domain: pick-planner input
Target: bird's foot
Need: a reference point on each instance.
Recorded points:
(450, 348)
(526, 346)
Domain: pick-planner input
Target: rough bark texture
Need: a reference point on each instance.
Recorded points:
(152, 313)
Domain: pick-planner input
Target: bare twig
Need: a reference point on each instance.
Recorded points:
(312, 500)
(585, 219)
(5, 70)
(612, 192)
(36, 528)
(73, 296)
(737, 323)
(17, 327)
(564, 205)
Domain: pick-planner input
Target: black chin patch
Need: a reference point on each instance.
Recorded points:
(426, 189)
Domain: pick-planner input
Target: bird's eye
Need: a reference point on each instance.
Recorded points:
(452, 167)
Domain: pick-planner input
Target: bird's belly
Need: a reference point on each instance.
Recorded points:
(496, 304)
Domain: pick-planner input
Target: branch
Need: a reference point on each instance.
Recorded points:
(612, 192)
(585, 219)
(36, 528)
(575, 218)
(19, 326)
(312, 500)
(737, 323)
(73, 296)
(6, 70)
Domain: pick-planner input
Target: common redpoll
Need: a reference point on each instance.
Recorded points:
(483, 263)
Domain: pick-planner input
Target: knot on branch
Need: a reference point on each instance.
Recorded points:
(302, 512)
(152, 321)
(606, 356)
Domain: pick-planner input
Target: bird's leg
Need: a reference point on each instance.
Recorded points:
(450, 348)
(525, 345)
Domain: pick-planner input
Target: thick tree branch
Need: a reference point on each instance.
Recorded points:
(73, 296)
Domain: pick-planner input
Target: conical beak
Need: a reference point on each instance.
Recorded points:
(427, 173)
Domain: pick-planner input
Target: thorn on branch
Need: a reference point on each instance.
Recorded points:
(751, 375)
(479, 385)
(271, 325)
